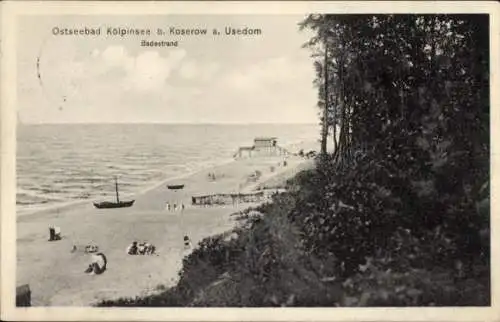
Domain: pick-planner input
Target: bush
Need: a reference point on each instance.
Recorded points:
(382, 282)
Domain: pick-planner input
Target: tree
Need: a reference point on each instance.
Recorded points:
(410, 97)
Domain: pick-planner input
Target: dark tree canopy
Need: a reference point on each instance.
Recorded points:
(409, 96)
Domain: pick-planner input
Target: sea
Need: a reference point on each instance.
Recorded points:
(67, 163)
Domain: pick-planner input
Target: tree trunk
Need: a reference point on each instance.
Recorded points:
(324, 134)
(343, 116)
(334, 124)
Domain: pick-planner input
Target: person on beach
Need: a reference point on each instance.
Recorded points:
(150, 249)
(132, 248)
(167, 206)
(182, 207)
(97, 265)
(175, 207)
(141, 249)
(51, 233)
(187, 242)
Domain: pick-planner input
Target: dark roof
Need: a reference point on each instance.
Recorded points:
(265, 138)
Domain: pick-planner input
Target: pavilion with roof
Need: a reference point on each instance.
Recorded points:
(262, 146)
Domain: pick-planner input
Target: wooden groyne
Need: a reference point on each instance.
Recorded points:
(229, 198)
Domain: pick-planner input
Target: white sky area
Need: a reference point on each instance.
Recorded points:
(206, 79)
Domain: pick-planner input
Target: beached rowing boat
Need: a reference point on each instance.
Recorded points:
(175, 186)
(111, 204)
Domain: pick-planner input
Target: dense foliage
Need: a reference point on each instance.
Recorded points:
(398, 214)
(411, 101)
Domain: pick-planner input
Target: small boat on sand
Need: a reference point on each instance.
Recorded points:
(111, 204)
(175, 186)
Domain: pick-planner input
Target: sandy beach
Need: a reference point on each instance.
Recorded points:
(56, 275)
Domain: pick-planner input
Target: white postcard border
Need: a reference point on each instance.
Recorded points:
(11, 10)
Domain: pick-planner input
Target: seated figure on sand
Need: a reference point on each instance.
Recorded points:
(54, 233)
(150, 249)
(141, 249)
(98, 264)
(132, 248)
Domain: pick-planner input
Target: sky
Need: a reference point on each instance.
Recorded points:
(263, 78)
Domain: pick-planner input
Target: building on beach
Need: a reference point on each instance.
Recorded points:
(263, 146)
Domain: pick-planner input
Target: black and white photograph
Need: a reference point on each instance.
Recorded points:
(310, 159)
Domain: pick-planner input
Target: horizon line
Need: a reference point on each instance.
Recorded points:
(166, 123)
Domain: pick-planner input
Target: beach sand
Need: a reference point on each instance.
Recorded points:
(56, 275)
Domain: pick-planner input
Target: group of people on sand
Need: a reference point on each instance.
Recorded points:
(174, 207)
(212, 176)
(99, 262)
(143, 248)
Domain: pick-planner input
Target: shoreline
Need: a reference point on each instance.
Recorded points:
(60, 207)
(63, 206)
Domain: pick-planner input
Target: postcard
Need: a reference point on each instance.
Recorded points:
(246, 161)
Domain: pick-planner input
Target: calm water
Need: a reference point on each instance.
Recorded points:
(57, 164)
